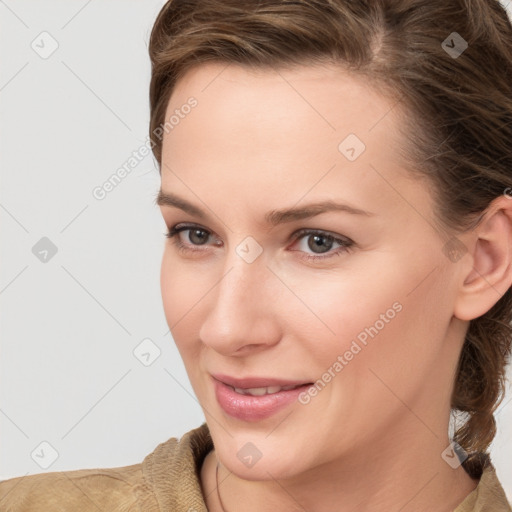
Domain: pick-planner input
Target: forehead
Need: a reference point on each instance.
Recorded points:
(286, 133)
(323, 91)
(301, 109)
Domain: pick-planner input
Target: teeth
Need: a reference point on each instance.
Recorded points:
(263, 391)
(257, 391)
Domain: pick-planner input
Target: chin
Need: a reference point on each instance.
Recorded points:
(273, 467)
(258, 456)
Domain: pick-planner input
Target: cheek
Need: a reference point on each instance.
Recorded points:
(381, 292)
(350, 308)
(389, 334)
(172, 289)
(182, 287)
(179, 294)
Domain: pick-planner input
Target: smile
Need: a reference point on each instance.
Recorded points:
(263, 391)
(255, 399)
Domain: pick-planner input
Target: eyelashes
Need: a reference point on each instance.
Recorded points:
(313, 235)
(316, 235)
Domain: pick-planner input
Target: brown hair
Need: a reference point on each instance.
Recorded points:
(462, 103)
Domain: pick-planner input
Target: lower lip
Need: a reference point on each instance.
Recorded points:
(254, 408)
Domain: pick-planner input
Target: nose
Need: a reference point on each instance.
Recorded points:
(241, 314)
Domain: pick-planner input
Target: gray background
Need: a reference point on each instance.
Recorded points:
(70, 321)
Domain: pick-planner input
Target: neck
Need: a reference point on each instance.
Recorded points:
(403, 472)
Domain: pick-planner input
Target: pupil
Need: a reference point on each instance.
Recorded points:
(200, 239)
(317, 239)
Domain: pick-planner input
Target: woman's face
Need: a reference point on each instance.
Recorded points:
(357, 300)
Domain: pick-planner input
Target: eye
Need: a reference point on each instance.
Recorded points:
(320, 242)
(197, 236)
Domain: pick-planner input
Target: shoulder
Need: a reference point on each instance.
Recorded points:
(165, 477)
(489, 494)
(83, 489)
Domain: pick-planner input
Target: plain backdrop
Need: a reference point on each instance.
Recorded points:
(79, 276)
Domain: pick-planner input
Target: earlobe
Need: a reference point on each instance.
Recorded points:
(490, 274)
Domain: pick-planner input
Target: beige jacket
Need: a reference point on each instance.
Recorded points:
(167, 480)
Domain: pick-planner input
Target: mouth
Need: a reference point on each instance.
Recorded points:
(270, 390)
(256, 398)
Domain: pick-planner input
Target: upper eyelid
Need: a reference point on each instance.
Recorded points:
(299, 233)
(184, 227)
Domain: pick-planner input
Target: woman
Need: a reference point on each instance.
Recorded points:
(336, 182)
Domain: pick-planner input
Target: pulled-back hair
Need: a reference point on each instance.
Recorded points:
(457, 105)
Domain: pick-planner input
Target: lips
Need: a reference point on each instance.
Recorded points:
(257, 382)
(270, 390)
(255, 398)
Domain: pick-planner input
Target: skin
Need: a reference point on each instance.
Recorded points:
(372, 438)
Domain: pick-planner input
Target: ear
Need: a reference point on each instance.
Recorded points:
(485, 280)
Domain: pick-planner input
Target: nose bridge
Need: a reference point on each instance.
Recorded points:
(242, 306)
(244, 280)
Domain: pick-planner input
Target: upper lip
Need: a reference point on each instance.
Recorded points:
(257, 382)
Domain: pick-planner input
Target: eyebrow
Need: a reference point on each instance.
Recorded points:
(273, 217)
